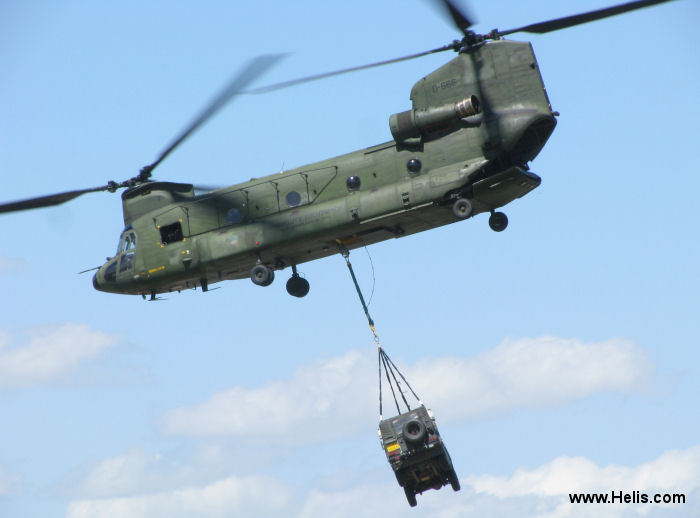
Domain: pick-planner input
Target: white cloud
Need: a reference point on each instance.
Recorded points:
(138, 472)
(7, 482)
(9, 265)
(49, 354)
(338, 397)
(675, 471)
(362, 500)
(530, 373)
(542, 492)
(131, 473)
(672, 470)
(325, 397)
(232, 496)
(538, 493)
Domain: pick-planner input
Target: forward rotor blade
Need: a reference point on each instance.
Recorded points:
(47, 201)
(255, 68)
(316, 77)
(578, 19)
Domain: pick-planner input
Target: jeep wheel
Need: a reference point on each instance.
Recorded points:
(410, 496)
(453, 480)
(414, 432)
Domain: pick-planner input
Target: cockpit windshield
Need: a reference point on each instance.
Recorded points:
(127, 242)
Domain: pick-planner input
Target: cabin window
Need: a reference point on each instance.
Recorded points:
(293, 198)
(414, 165)
(353, 183)
(171, 233)
(234, 216)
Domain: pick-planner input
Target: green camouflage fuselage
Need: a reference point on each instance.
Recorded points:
(175, 240)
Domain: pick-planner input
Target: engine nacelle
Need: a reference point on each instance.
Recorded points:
(411, 126)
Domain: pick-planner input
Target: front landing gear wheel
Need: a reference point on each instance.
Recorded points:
(462, 208)
(297, 286)
(262, 275)
(498, 221)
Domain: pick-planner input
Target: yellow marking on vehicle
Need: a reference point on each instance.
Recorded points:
(392, 447)
(154, 270)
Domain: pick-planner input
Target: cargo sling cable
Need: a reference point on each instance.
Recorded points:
(390, 369)
(411, 441)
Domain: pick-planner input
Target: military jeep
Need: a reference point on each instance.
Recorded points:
(416, 453)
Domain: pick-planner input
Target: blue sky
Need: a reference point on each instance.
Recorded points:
(558, 356)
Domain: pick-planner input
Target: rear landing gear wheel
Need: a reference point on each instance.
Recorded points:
(498, 221)
(262, 275)
(410, 496)
(297, 286)
(462, 208)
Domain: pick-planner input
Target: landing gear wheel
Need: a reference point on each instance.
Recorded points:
(297, 286)
(262, 275)
(498, 221)
(462, 208)
(410, 496)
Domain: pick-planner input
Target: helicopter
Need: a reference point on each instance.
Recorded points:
(462, 149)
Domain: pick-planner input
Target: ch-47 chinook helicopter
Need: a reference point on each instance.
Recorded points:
(461, 150)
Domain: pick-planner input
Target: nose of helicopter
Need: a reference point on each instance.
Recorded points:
(100, 280)
(96, 282)
(108, 280)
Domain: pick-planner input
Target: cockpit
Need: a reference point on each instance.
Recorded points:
(127, 241)
(127, 249)
(121, 266)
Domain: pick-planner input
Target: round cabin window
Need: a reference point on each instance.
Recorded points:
(353, 183)
(414, 165)
(234, 216)
(293, 198)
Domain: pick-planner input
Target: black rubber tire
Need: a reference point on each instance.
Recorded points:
(453, 480)
(297, 286)
(498, 221)
(272, 277)
(462, 208)
(262, 275)
(414, 432)
(410, 496)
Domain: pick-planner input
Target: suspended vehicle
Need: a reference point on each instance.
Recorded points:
(463, 149)
(417, 453)
(411, 441)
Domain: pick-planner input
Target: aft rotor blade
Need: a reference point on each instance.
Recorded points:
(316, 77)
(461, 20)
(201, 188)
(255, 68)
(47, 201)
(578, 19)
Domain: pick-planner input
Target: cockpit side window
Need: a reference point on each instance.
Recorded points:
(127, 242)
(111, 272)
(127, 261)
